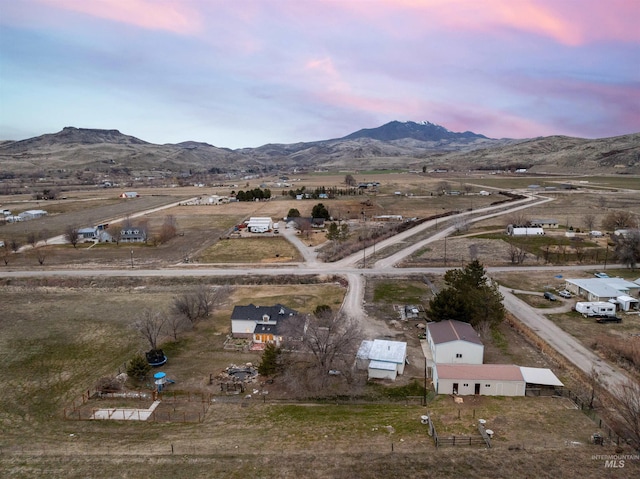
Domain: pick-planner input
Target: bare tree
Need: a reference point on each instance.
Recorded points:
(197, 305)
(517, 254)
(175, 324)
(169, 229)
(14, 244)
(324, 342)
(627, 407)
(32, 238)
(518, 218)
(72, 235)
(627, 248)
(5, 254)
(150, 326)
(617, 220)
(443, 188)
(589, 221)
(304, 226)
(41, 255)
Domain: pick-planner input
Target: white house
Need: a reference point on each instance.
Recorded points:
(545, 223)
(258, 224)
(602, 289)
(383, 359)
(454, 342)
(32, 214)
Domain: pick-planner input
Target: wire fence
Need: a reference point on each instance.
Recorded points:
(140, 406)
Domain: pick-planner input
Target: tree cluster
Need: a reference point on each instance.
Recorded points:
(254, 194)
(186, 311)
(469, 297)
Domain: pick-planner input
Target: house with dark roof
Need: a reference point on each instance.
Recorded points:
(262, 324)
(454, 342)
(132, 234)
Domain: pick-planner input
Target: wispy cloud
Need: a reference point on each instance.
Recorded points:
(173, 16)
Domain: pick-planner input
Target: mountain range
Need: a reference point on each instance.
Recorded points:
(403, 145)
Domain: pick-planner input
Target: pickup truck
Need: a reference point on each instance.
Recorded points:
(609, 319)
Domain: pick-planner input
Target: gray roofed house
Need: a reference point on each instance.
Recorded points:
(263, 324)
(602, 289)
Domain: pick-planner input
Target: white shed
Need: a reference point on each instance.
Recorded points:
(383, 359)
(479, 379)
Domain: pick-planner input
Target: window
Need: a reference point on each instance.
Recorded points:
(458, 355)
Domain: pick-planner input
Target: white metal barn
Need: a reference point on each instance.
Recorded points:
(454, 342)
(383, 359)
(524, 230)
(259, 224)
(479, 379)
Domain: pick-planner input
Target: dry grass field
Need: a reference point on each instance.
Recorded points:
(64, 335)
(59, 336)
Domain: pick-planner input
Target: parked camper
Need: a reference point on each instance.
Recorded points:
(595, 308)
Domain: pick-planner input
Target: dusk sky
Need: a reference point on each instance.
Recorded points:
(243, 73)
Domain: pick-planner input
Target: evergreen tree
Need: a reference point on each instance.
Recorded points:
(270, 363)
(469, 297)
(138, 367)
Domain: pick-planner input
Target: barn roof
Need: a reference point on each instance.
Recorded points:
(451, 330)
(479, 372)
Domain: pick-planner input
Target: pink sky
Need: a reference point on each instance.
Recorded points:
(238, 74)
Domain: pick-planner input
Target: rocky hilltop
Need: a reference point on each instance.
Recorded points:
(407, 145)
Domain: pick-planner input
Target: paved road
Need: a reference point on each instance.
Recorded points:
(353, 302)
(561, 341)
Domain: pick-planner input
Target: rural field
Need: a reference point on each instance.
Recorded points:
(61, 335)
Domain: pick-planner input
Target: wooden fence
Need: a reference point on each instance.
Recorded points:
(481, 440)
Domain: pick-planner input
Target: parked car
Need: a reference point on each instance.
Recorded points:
(550, 296)
(609, 319)
(564, 294)
(601, 275)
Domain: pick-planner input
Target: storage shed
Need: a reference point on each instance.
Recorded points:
(383, 359)
(482, 379)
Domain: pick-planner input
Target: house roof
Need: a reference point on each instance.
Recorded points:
(255, 313)
(604, 287)
(383, 351)
(384, 365)
(452, 330)
(479, 372)
(388, 351)
(542, 376)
